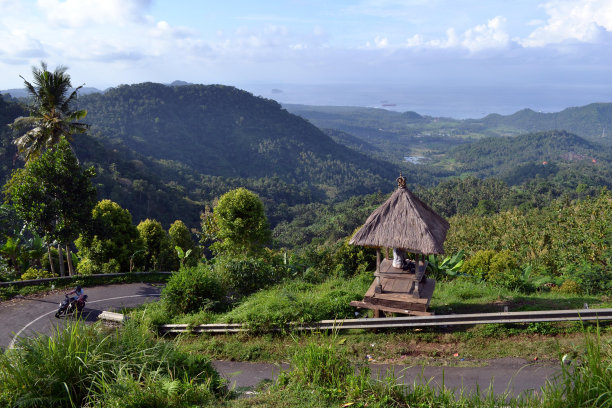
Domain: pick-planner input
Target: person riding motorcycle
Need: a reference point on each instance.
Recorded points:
(71, 303)
(78, 291)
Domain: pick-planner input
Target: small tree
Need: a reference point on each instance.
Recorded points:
(53, 195)
(181, 237)
(158, 251)
(241, 224)
(112, 236)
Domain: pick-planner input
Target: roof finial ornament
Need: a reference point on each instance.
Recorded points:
(401, 181)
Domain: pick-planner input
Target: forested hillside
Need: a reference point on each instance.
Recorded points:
(593, 122)
(166, 152)
(543, 154)
(223, 131)
(398, 135)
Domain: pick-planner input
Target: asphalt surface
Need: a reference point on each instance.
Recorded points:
(33, 315)
(508, 376)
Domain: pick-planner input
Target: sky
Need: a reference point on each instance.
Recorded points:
(461, 58)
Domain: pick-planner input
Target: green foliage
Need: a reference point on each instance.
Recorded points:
(243, 275)
(223, 131)
(518, 158)
(87, 267)
(180, 237)
(591, 278)
(45, 264)
(320, 364)
(570, 286)
(53, 194)
(298, 301)
(81, 365)
(242, 227)
(449, 266)
(110, 238)
(479, 264)
(585, 379)
(562, 239)
(193, 289)
(35, 273)
(51, 116)
(159, 254)
(499, 268)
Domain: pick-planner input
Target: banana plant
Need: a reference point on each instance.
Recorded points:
(182, 255)
(450, 265)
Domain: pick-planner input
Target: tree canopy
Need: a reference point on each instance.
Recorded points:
(53, 194)
(242, 226)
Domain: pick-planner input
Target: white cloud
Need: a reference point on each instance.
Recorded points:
(381, 42)
(80, 13)
(582, 21)
(491, 35)
(486, 36)
(19, 46)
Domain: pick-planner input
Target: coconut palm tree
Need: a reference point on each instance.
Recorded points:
(51, 115)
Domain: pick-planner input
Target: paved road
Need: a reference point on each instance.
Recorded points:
(35, 314)
(512, 376)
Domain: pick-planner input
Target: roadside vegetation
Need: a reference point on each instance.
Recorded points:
(89, 366)
(82, 365)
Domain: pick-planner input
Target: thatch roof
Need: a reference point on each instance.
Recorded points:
(404, 221)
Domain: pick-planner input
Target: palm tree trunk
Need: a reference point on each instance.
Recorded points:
(60, 257)
(69, 259)
(50, 260)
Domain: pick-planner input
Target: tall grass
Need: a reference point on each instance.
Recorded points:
(323, 366)
(81, 365)
(586, 379)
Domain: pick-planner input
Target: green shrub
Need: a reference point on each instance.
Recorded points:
(193, 289)
(112, 266)
(592, 278)
(479, 264)
(245, 275)
(504, 270)
(35, 273)
(87, 267)
(570, 286)
(499, 268)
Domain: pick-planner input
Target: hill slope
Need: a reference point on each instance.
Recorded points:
(223, 131)
(592, 122)
(516, 159)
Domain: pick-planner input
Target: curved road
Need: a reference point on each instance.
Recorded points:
(35, 314)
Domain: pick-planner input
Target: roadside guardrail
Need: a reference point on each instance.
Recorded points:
(72, 277)
(410, 321)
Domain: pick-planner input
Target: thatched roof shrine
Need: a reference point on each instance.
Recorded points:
(404, 221)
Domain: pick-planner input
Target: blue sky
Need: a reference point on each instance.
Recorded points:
(327, 52)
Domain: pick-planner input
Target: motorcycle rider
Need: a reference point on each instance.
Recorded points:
(78, 292)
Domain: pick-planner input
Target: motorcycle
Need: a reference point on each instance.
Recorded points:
(71, 304)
